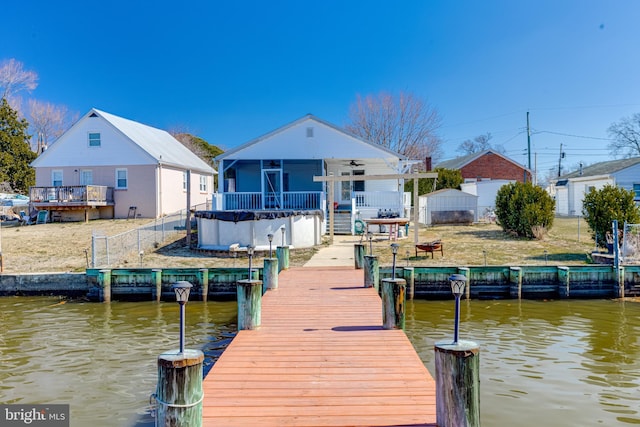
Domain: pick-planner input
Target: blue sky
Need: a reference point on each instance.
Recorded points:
(232, 71)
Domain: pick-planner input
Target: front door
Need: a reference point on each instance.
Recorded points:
(272, 188)
(345, 190)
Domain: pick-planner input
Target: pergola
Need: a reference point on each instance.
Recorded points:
(415, 176)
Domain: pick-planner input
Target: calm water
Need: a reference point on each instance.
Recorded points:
(561, 363)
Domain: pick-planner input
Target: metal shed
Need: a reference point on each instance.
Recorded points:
(448, 206)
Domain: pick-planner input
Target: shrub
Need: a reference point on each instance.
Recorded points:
(601, 207)
(524, 209)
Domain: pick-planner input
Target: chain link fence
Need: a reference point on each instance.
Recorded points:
(129, 247)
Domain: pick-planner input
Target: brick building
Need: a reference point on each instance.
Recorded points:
(487, 165)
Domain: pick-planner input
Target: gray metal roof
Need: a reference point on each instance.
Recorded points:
(602, 168)
(157, 143)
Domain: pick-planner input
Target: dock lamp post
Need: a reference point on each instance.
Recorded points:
(270, 237)
(394, 251)
(283, 229)
(250, 249)
(370, 237)
(182, 289)
(458, 282)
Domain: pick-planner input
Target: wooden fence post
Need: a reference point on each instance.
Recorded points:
(515, 282)
(371, 272)
(358, 255)
(179, 392)
(393, 303)
(204, 283)
(104, 281)
(156, 279)
(270, 274)
(457, 367)
(249, 304)
(563, 282)
(619, 282)
(409, 277)
(282, 253)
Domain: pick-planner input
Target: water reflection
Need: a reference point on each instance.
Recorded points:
(100, 358)
(560, 363)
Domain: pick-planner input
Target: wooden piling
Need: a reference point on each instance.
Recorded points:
(358, 255)
(409, 277)
(156, 280)
(203, 278)
(563, 282)
(282, 253)
(467, 289)
(104, 281)
(270, 274)
(393, 303)
(619, 280)
(457, 374)
(371, 272)
(515, 282)
(179, 393)
(249, 304)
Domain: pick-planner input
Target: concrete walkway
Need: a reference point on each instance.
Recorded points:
(340, 254)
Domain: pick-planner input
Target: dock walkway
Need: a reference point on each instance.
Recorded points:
(320, 358)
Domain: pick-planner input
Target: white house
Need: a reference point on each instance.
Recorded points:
(275, 173)
(105, 165)
(571, 188)
(486, 190)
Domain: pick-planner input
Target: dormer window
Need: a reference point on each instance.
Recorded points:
(94, 139)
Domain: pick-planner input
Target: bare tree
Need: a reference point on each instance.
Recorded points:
(478, 144)
(14, 78)
(402, 123)
(625, 137)
(48, 122)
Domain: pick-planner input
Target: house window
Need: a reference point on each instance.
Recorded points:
(636, 190)
(94, 139)
(358, 185)
(56, 178)
(86, 177)
(309, 132)
(203, 184)
(122, 179)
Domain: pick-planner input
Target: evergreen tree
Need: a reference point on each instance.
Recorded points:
(16, 174)
(601, 207)
(447, 178)
(524, 209)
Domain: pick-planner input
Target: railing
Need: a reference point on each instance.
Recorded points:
(379, 199)
(77, 194)
(301, 200)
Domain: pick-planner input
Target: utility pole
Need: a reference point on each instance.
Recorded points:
(528, 143)
(560, 161)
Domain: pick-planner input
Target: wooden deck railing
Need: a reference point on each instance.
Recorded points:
(72, 194)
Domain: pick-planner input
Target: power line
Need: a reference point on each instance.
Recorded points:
(572, 135)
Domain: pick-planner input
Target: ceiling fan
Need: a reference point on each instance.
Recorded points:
(354, 163)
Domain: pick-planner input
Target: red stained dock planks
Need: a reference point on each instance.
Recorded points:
(320, 358)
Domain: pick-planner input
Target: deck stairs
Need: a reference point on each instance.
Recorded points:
(342, 222)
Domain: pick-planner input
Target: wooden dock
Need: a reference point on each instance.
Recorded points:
(320, 358)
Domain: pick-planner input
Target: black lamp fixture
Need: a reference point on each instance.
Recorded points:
(182, 290)
(283, 229)
(270, 238)
(370, 237)
(458, 282)
(394, 251)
